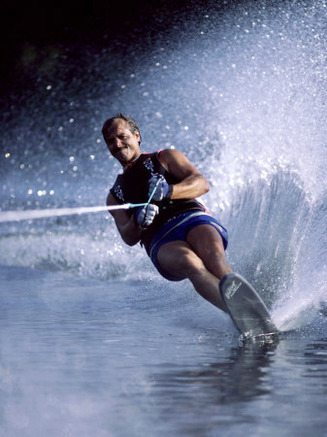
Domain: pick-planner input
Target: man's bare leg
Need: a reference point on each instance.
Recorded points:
(207, 243)
(182, 262)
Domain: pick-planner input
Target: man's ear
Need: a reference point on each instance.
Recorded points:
(138, 136)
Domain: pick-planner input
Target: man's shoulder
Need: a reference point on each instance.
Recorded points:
(171, 152)
(166, 156)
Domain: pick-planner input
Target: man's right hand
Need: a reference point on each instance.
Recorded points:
(144, 215)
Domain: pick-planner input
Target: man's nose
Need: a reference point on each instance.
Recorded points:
(117, 143)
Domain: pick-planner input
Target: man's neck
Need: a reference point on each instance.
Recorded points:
(131, 163)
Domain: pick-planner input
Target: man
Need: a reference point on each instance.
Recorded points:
(180, 236)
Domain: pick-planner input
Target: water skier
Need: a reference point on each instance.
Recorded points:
(180, 236)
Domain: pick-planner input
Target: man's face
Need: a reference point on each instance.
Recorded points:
(122, 143)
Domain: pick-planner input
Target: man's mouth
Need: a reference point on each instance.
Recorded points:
(120, 152)
(120, 149)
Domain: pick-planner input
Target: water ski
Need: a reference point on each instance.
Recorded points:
(246, 308)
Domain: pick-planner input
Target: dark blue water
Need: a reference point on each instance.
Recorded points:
(93, 341)
(84, 357)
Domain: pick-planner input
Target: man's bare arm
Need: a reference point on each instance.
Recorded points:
(192, 183)
(128, 229)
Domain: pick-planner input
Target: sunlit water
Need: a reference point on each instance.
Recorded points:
(93, 341)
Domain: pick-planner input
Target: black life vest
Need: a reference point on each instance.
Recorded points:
(132, 186)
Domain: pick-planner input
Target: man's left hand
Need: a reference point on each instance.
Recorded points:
(159, 187)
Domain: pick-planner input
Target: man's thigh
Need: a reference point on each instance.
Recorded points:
(208, 244)
(204, 239)
(177, 258)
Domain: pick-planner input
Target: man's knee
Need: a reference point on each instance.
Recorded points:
(185, 261)
(213, 251)
(216, 250)
(191, 264)
(214, 259)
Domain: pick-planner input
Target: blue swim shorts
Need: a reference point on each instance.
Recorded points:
(177, 228)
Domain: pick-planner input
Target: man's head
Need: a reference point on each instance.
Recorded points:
(122, 137)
